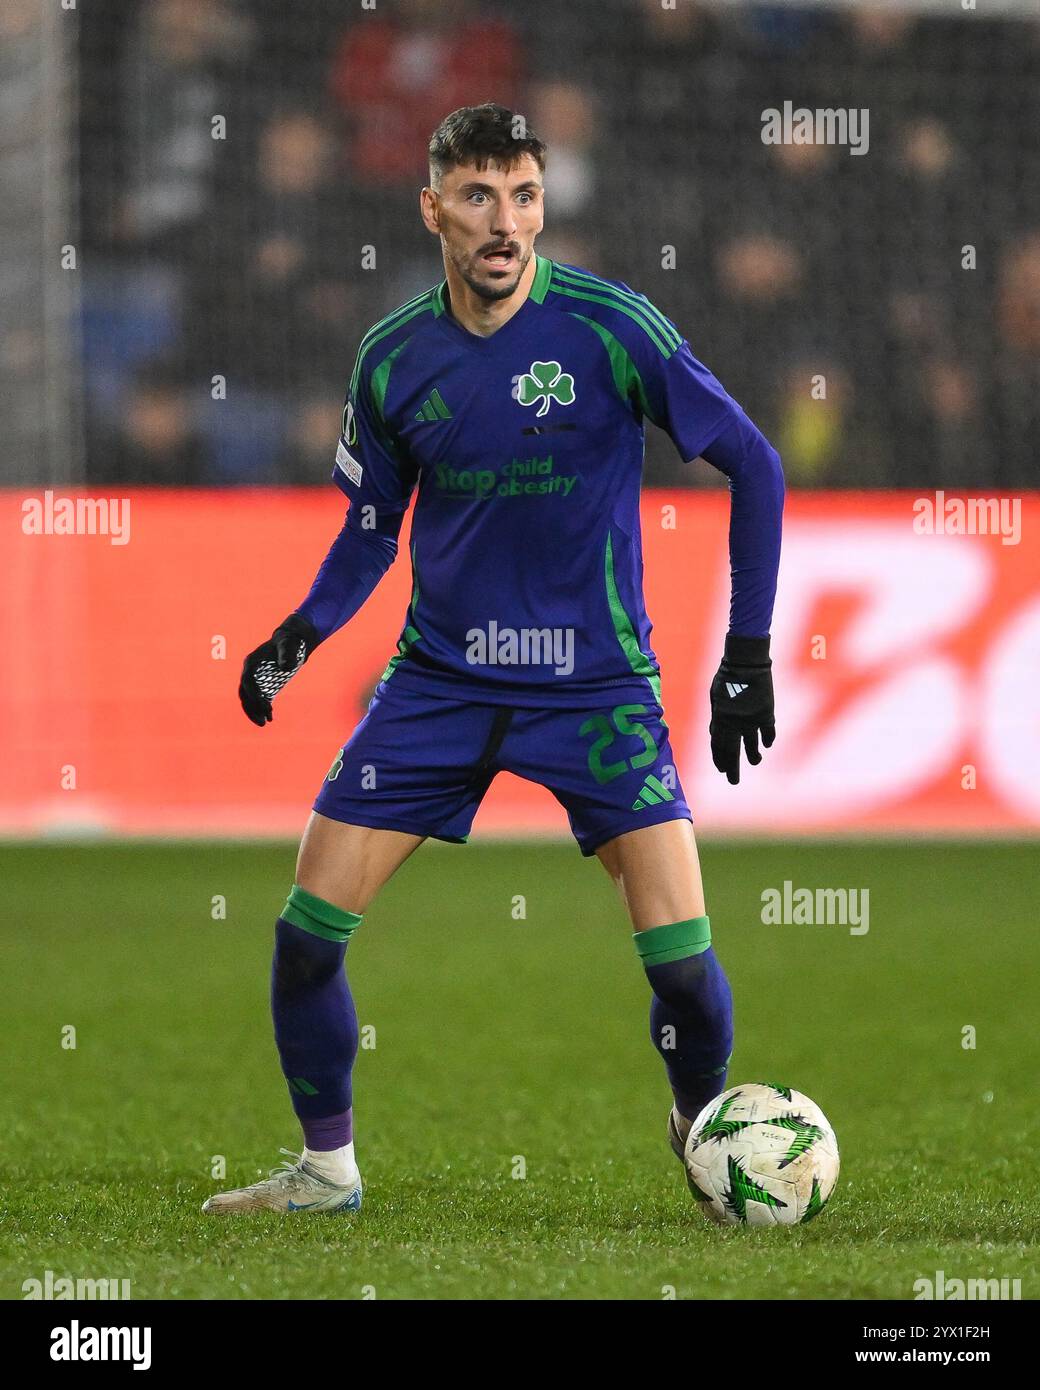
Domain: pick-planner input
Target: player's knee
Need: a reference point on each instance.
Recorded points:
(695, 984)
(302, 961)
(349, 897)
(310, 939)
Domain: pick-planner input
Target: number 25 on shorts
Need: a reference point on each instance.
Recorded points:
(599, 725)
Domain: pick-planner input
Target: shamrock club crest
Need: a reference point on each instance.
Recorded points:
(545, 382)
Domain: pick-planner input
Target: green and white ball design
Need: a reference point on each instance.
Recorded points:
(761, 1155)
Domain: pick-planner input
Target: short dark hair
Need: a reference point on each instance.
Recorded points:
(479, 135)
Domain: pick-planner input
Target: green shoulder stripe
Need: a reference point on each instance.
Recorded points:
(423, 304)
(626, 376)
(631, 297)
(638, 308)
(388, 319)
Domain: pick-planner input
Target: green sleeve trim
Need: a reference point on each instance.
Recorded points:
(315, 915)
(676, 941)
(627, 381)
(624, 630)
(411, 633)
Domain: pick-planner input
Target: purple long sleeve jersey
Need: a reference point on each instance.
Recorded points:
(527, 451)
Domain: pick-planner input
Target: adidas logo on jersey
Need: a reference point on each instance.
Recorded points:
(433, 408)
(652, 793)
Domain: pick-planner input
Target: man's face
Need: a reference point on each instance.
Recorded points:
(487, 220)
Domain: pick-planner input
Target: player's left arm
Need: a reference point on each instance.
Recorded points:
(704, 421)
(378, 481)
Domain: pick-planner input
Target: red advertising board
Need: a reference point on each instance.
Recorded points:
(906, 659)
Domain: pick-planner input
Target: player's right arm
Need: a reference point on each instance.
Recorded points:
(682, 396)
(378, 480)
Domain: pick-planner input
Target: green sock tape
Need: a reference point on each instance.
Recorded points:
(676, 941)
(318, 917)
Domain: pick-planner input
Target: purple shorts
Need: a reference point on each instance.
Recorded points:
(422, 764)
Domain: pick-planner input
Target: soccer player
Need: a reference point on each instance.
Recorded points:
(513, 396)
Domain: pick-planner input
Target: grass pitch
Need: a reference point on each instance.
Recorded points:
(507, 1046)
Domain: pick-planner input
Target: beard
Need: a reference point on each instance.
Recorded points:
(493, 292)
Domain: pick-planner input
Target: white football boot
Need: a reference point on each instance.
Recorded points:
(292, 1186)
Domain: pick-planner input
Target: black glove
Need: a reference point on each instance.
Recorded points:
(275, 662)
(741, 704)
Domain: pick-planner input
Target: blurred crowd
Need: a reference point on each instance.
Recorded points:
(249, 189)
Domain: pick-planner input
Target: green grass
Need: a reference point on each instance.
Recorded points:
(497, 1038)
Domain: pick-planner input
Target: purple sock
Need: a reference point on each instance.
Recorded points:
(316, 1033)
(331, 1132)
(691, 1025)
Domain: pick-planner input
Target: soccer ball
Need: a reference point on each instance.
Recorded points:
(761, 1155)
